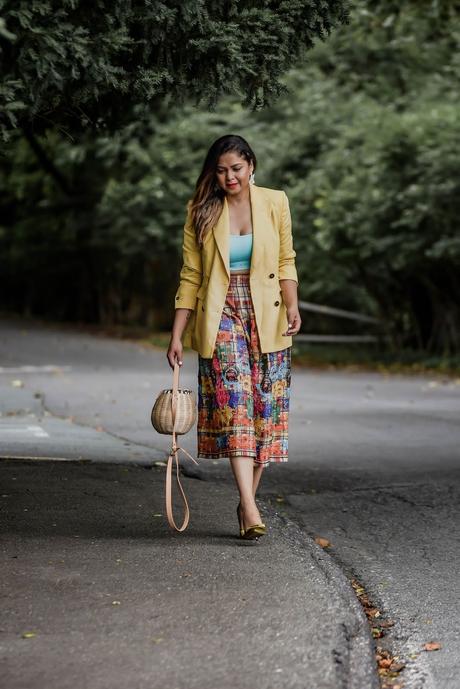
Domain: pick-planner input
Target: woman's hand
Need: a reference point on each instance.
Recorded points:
(289, 291)
(294, 321)
(174, 352)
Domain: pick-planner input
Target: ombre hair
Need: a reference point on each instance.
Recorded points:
(207, 201)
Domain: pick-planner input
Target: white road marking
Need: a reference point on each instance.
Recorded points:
(49, 459)
(36, 431)
(35, 369)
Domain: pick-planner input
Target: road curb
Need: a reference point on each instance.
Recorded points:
(355, 658)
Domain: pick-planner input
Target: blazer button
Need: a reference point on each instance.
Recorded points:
(272, 275)
(277, 303)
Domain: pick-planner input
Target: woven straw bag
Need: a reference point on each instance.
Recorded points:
(174, 409)
(174, 413)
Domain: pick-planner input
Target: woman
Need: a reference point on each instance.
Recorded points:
(237, 306)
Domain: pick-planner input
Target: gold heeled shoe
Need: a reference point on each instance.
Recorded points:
(238, 513)
(254, 531)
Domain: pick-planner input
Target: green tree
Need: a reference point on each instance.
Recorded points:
(77, 65)
(85, 85)
(370, 163)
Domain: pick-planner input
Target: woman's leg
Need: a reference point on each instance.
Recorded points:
(244, 473)
(258, 469)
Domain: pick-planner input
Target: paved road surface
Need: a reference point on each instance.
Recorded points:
(374, 467)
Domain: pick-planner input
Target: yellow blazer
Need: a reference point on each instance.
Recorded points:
(205, 274)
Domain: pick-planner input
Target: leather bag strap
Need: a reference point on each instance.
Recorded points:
(173, 456)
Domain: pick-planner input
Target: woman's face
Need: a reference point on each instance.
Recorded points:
(233, 172)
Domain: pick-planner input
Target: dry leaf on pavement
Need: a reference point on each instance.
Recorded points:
(432, 646)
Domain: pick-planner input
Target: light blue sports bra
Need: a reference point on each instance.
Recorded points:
(240, 251)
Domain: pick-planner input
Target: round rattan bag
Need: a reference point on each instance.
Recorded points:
(174, 409)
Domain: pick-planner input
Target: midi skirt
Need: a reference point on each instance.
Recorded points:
(243, 394)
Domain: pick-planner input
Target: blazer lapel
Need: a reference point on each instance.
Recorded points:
(261, 218)
(221, 234)
(260, 207)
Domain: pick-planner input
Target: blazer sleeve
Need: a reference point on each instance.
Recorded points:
(191, 272)
(287, 267)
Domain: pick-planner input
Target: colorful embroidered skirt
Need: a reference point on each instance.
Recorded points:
(243, 394)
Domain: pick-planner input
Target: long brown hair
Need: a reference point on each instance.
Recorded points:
(208, 199)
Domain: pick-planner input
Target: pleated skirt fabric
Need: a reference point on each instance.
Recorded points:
(243, 394)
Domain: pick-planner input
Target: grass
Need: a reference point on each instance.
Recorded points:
(320, 356)
(368, 358)
(354, 358)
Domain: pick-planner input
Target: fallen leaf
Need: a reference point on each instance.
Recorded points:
(432, 646)
(385, 662)
(377, 633)
(323, 542)
(382, 653)
(116, 602)
(28, 635)
(373, 612)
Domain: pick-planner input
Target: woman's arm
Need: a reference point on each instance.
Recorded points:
(287, 271)
(287, 268)
(191, 272)
(185, 298)
(289, 292)
(175, 348)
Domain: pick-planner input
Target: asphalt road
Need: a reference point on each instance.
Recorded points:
(373, 467)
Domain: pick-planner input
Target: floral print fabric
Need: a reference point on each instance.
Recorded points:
(243, 394)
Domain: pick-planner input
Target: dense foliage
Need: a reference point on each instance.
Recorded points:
(366, 144)
(83, 64)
